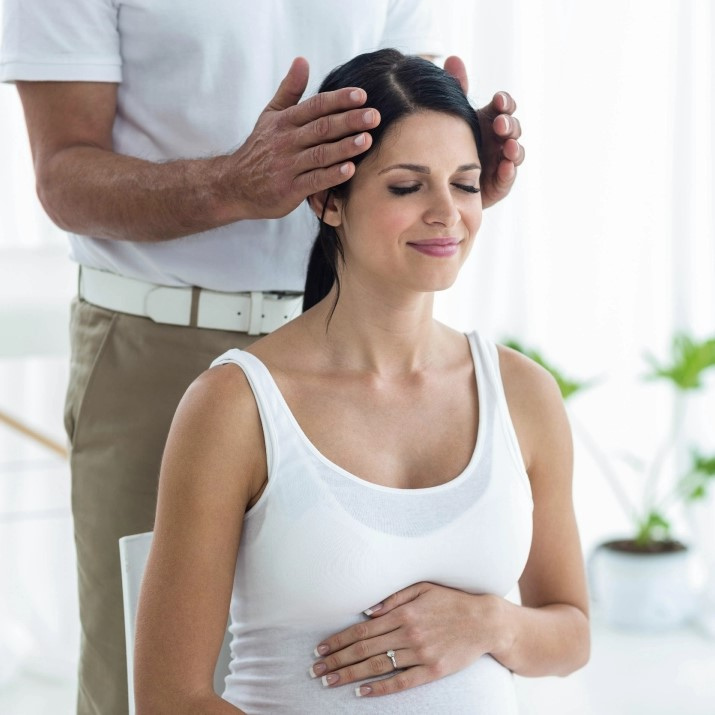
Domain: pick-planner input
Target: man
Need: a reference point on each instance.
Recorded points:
(181, 212)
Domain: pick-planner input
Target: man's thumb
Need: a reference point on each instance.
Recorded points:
(292, 87)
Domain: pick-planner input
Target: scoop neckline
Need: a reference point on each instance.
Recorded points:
(450, 483)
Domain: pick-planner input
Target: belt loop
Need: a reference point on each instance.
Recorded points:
(254, 325)
(194, 314)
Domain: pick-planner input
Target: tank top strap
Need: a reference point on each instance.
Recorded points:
(268, 399)
(486, 363)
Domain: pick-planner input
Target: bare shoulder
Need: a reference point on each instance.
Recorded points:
(220, 395)
(534, 401)
(526, 380)
(216, 435)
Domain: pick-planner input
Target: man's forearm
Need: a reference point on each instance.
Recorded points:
(94, 192)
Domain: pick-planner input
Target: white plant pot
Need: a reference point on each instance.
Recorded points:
(644, 591)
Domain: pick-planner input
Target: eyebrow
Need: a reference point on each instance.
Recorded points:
(421, 169)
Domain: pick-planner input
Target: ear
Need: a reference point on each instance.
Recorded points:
(329, 206)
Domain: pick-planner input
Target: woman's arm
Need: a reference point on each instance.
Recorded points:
(442, 630)
(213, 469)
(549, 633)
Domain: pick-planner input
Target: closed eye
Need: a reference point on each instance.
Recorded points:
(468, 188)
(402, 190)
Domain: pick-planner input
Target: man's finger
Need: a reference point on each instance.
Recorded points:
(311, 182)
(326, 104)
(514, 152)
(453, 65)
(292, 86)
(330, 153)
(507, 127)
(504, 102)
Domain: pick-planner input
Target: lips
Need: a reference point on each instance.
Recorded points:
(437, 247)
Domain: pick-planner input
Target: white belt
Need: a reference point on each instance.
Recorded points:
(253, 313)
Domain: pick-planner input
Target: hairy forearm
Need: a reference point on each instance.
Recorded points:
(95, 192)
(551, 640)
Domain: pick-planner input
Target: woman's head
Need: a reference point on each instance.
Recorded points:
(398, 86)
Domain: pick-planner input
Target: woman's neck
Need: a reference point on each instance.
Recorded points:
(383, 334)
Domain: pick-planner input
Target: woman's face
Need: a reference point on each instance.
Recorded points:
(413, 207)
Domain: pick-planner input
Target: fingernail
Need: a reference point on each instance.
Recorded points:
(368, 116)
(356, 95)
(363, 690)
(317, 669)
(359, 140)
(321, 650)
(330, 679)
(504, 98)
(374, 609)
(345, 169)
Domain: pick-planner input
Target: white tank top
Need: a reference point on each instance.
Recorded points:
(321, 545)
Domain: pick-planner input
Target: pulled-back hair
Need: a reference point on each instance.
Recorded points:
(397, 86)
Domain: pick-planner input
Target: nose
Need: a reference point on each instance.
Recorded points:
(442, 209)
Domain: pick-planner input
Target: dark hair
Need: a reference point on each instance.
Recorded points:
(397, 85)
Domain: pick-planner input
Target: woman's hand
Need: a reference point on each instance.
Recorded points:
(432, 630)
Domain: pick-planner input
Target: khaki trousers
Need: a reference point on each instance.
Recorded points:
(127, 375)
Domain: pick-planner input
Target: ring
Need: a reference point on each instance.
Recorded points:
(391, 655)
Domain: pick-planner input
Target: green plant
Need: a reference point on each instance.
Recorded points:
(689, 360)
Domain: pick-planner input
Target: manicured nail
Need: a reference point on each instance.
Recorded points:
(317, 669)
(374, 609)
(359, 140)
(356, 95)
(330, 679)
(363, 690)
(345, 169)
(321, 650)
(368, 116)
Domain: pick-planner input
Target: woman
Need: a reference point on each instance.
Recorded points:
(365, 485)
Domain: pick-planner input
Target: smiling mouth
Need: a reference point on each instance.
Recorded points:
(436, 247)
(448, 241)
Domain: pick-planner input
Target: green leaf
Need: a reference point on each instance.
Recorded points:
(704, 465)
(689, 359)
(567, 386)
(655, 527)
(696, 483)
(698, 492)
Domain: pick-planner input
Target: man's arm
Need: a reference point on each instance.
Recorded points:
(295, 149)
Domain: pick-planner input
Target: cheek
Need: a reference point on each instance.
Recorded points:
(474, 220)
(383, 221)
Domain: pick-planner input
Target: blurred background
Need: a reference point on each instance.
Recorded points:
(604, 251)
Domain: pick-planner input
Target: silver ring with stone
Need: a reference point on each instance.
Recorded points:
(391, 655)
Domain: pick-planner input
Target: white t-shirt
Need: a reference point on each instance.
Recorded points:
(194, 77)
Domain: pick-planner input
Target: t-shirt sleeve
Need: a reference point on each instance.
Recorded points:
(412, 28)
(60, 40)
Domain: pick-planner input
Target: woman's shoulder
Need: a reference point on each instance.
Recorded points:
(219, 400)
(534, 401)
(522, 374)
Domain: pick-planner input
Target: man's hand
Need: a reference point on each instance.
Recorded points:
(298, 148)
(501, 152)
